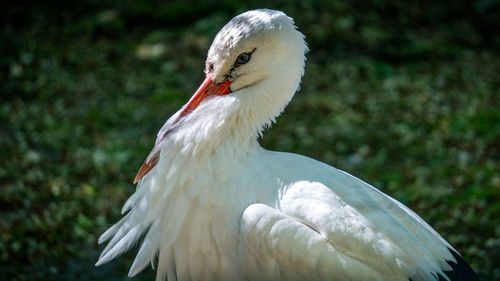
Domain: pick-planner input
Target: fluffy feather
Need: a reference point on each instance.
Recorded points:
(219, 207)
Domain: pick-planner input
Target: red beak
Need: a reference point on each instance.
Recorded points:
(206, 89)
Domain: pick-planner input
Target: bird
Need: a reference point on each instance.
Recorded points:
(212, 204)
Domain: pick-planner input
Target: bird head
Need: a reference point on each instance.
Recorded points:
(256, 61)
(253, 69)
(255, 46)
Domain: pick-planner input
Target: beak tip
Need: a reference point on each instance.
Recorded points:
(148, 165)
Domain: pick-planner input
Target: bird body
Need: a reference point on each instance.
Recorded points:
(212, 204)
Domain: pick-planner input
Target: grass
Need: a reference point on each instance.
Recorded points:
(408, 103)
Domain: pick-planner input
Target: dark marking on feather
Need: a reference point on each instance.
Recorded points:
(460, 270)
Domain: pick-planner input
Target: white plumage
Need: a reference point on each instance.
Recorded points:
(214, 205)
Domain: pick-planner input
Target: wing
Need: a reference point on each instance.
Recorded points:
(276, 246)
(316, 233)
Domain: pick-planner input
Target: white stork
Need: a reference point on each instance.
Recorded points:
(212, 204)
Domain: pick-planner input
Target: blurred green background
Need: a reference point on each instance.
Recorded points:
(404, 95)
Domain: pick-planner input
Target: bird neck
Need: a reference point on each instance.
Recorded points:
(263, 102)
(232, 123)
(215, 127)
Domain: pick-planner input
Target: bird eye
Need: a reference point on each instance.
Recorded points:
(242, 59)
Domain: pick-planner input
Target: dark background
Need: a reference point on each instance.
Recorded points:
(404, 95)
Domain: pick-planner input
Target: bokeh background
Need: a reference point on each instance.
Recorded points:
(402, 94)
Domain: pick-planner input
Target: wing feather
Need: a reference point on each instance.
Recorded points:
(281, 248)
(348, 230)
